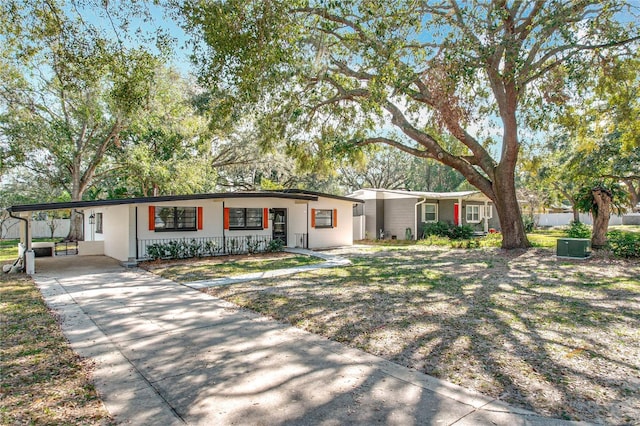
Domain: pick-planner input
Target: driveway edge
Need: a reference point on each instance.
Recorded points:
(125, 393)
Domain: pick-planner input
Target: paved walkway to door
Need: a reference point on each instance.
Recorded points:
(167, 354)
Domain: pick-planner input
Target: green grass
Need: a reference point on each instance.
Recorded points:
(220, 269)
(43, 380)
(506, 324)
(625, 228)
(9, 248)
(545, 237)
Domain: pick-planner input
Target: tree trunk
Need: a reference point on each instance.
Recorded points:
(576, 214)
(634, 194)
(513, 233)
(506, 202)
(601, 216)
(76, 227)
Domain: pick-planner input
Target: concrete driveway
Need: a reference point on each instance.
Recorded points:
(167, 354)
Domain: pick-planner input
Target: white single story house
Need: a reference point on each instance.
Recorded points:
(395, 211)
(124, 229)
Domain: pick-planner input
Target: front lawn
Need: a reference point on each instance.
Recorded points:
(9, 248)
(43, 380)
(546, 237)
(227, 266)
(559, 337)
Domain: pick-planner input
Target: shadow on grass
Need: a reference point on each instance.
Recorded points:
(560, 338)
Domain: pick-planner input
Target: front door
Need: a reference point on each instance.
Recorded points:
(456, 214)
(280, 225)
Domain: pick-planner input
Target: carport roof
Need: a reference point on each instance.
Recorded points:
(292, 194)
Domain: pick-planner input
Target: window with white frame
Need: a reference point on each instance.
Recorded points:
(473, 213)
(429, 212)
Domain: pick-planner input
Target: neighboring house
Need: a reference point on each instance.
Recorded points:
(393, 211)
(124, 229)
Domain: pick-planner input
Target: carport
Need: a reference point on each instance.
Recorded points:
(24, 213)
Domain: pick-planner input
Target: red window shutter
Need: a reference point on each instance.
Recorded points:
(313, 218)
(265, 218)
(335, 218)
(226, 218)
(152, 218)
(200, 223)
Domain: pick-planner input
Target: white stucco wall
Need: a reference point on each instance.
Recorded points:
(116, 232)
(90, 248)
(212, 220)
(125, 225)
(341, 235)
(90, 233)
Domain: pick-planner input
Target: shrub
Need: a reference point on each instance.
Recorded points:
(192, 249)
(463, 232)
(155, 251)
(233, 245)
(465, 244)
(275, 245)
(434, 240)
(212, 248)
(578, 230)
(624, 244)
(253, 244)
(491, 240)
(528, 223)
(439, 229)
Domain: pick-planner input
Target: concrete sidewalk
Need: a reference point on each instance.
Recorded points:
(166, 354)
(330, 261)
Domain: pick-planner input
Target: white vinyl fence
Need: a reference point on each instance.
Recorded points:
(39, 228)
(563, 219)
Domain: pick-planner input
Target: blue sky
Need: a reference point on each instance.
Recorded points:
(138, 28)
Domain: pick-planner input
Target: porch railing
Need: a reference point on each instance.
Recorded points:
(183, 248)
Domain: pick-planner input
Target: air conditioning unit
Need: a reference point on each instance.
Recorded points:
(573, 247)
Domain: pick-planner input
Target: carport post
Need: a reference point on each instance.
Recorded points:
(25, 238)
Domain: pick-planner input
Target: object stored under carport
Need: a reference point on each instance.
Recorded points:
(573, 247)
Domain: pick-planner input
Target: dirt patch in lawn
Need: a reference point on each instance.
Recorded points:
(43, 381)
(556, 336)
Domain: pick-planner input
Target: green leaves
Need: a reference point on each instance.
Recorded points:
(585, 201)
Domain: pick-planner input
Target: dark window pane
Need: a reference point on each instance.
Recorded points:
(236, 218)
(175, 218)
(98, 223)
(186, 217)
(254, 218)
(164, 218)
(324, 218)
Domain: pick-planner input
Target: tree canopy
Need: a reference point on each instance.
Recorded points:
(67, 94)
(452, 81)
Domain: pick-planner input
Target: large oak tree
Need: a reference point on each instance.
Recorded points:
(67, 94)
(334, 75)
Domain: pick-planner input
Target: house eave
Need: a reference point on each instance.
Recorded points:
(165, 198)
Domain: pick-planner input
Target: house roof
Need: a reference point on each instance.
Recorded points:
(292, 194)
(397, 193)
